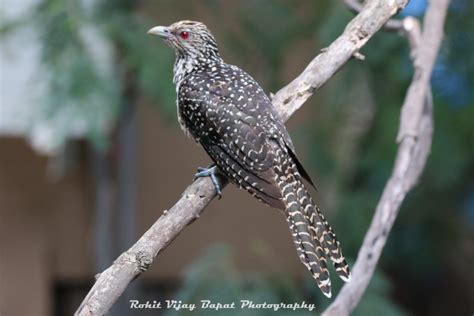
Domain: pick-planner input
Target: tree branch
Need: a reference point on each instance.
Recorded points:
(111, 283)
(414, 137)
(391, 25)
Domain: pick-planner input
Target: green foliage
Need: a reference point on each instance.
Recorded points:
(83, 87)
(143, 57)
(376, 300)
(459, 43)
(92, 53)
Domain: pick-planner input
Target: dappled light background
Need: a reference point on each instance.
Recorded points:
(91, 155)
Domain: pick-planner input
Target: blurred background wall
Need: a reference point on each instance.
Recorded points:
(91, 154)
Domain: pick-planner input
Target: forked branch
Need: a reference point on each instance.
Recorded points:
(414, 137)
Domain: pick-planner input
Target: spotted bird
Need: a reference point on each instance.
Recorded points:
(227, 112)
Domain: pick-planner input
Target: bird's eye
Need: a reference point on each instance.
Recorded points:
(184, 35)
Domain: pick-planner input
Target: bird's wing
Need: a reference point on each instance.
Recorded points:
(235, 140)
(263, 106)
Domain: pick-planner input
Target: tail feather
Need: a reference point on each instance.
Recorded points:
(323, 232)
(310, 251)
(310, 255)
(313, 237)
(334, 251)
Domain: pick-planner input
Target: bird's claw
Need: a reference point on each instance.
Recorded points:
(209, 172)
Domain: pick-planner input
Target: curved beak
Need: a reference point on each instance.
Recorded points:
(161, 31)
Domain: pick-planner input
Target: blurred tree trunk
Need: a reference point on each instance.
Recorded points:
(126, 168)
(103, 207)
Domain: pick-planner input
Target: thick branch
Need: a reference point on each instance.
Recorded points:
(415, 136)
(111, 283)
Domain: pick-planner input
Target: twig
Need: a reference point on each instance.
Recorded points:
(414, 137)
(391, 25)
(111, 283)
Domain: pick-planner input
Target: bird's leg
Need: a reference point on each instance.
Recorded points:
(209, 172)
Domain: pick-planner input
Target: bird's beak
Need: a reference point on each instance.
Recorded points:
(161, 31)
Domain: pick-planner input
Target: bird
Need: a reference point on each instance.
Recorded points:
(228, 113)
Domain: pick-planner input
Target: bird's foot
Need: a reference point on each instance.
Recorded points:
(209, 172)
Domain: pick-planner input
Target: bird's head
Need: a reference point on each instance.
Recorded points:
(188, 39)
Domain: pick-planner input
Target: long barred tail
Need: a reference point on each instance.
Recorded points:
(323, 233)
(313, 237)
(310, 253)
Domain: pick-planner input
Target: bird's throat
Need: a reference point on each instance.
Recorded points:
(186, 64)
(182, 67)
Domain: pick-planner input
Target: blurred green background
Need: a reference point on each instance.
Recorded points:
(97, 71)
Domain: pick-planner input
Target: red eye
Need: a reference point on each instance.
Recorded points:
(184, 35)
